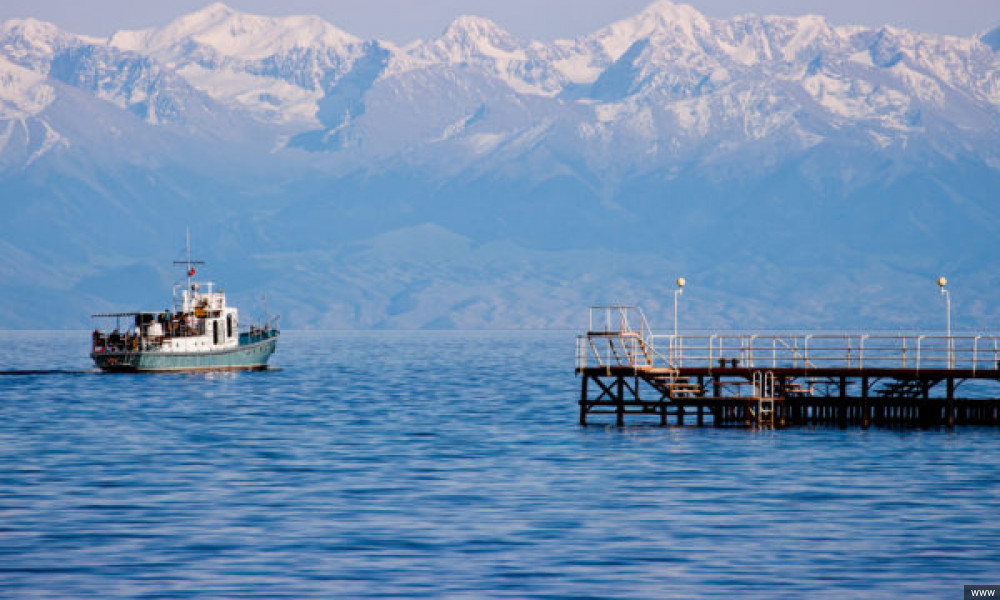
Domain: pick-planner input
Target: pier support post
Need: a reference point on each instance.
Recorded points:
(950, 407)
(620, 402)
(842, 405)
(866, 406)
(583, 401)
(923, 409)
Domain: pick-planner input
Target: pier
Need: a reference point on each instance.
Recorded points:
(781, 379)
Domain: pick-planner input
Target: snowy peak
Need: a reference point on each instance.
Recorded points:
(214, 13)
(211, 17)
(468, 38)
(664, 14)
(230, 33)
(678, 24)
(275, 68)
(38, 32)
(481, 44)
(475, 31)
(31, 43)
(184, 27)
(677, 35)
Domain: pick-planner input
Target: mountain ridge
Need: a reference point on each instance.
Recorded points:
(752, 145)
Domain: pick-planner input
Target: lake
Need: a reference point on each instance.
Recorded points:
(451, 465)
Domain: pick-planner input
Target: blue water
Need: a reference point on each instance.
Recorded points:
(439, 465)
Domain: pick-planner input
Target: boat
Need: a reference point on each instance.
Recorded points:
(200, 333)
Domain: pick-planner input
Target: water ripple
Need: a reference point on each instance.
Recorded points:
(450, 465)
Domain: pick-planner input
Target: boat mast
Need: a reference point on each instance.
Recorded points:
(187, 249)
(189, 273)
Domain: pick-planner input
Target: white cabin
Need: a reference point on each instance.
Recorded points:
(211, 325)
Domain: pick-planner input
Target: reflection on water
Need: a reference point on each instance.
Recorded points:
(451, 465)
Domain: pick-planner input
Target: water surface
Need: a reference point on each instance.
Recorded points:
(451, 465)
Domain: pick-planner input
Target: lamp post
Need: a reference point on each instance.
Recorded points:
(942, 282)
(677, 292)
(673, 341)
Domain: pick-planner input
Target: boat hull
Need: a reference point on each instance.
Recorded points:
(251, 356)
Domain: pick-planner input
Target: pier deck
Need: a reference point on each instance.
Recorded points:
(781, 378)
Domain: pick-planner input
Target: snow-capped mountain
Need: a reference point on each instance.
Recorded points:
(672, 85)
(665, 83)
(32, 44)
(528, 68)
(276, 68)
(667, 138)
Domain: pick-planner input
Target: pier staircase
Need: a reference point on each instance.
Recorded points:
(618, 336)
(906, 388)
(791, 387)
(620, 349)
(673, 385)
(822, 386)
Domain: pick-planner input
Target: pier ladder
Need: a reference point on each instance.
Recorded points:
(763, 385)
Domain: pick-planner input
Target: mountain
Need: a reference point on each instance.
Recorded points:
(274, 68)
(797, 173)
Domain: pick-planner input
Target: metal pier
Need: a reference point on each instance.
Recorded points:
(781, 379)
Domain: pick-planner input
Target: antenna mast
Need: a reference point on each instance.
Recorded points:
(189, 273)
(187, 249)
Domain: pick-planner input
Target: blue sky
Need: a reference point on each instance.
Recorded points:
(406, 20)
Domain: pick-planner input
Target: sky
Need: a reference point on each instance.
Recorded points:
(402, 21)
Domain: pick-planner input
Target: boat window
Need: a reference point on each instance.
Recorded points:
(229, 326)
(215, 332)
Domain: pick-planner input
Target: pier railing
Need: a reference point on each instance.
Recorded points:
(619, 336)
(829, 351)
(616, 336)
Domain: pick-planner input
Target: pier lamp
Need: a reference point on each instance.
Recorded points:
(680, 290)
(942, 282)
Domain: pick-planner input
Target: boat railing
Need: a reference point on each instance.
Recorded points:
(260, 332)
(116, 336)
(128, 341)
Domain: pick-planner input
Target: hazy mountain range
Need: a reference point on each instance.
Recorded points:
(796, 173)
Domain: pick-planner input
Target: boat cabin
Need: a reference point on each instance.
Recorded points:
(200, 321)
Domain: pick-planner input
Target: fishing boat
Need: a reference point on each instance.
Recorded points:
(200, 333)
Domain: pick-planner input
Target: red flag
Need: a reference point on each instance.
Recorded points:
(191, 272)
